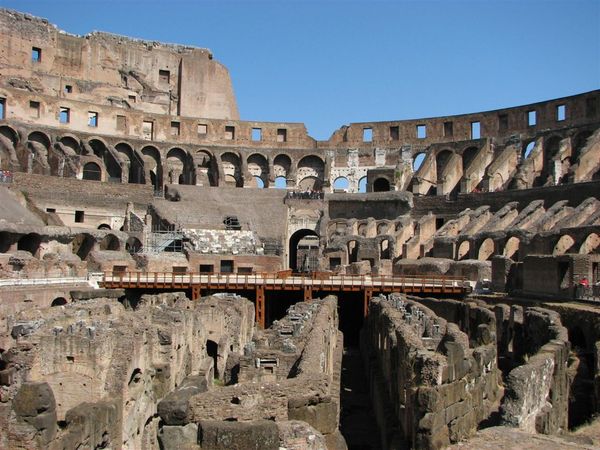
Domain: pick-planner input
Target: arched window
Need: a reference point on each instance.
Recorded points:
(92, 171)
(340, 184)
(381, 185)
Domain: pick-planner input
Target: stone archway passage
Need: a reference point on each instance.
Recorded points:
(303, 250)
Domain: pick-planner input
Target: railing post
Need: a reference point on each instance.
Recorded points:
(260, 306)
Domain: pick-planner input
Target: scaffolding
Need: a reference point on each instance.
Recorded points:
(163, 239)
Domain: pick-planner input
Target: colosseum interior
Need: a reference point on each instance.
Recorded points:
(173, 277)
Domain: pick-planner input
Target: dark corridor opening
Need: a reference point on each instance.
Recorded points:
(295, 241)
(212, 349)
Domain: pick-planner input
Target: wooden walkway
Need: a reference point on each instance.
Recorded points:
(284, 281)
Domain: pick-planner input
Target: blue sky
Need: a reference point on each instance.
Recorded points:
(331, 62)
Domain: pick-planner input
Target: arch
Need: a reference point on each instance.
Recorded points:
(298, 259)
(104, 226)
(383, 228)
(381, 185)
(212, 351)
(579, 142)
(384, 249)
(82, 245)
(111, 165)
(281, 182)
(310, 184)
(133, 245)
(6, 241)
(340, 184)
(527, 149)
(110, 242)
(362, 185)
(258, 167)
(282, 165)
(40, 138)
(563, 245)
(92, 171)
(486, 250)
(206, 174)
(511, 248)
(441, 161)
(468, 156)
(232, 169)
(591, 244)
(178, 166)
(311, 170)
(418, 160)
(153, 166)
(133, 161)
(463, 250)
(9, 133)
(550, 149)
(59, 301)
(352, 247)
(72, 143)
(30, 243)
(362, 229)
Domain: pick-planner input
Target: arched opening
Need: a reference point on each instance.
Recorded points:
(82, 245)
(304, 250)
(511, 248)
(212, 350)
(110, 242)
(381, 185)
(383, 228)
(71, 145)
(40, 138)
(59, 301)
(563, 245)
(550, 149)
(362, 185)
(311, 170)
(206, 173)
(384, 251)
(258, 167)
(340, 184)
(463, 250)
(152, 164)
(441, 161)
(281, 166)
(132, 160)
(30, 243)
(104, 226)
(418, 161)
(468, 156)
(133, 245)
(281, 183)
(92, 171)
(590, 245)
(178, 164)
(112, 166)
(579, 143)
(352, 251)
(527, 149)
(486, 251)
(232, 169)
(310, 184)
(6, 241)
(258, 182)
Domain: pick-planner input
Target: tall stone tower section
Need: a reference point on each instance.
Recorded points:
(112, 71)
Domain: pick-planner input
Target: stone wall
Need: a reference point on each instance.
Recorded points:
(288, 372)
(537, 392)
(92, 372)
(429, 386)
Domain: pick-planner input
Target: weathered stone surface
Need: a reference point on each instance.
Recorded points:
(219, 435)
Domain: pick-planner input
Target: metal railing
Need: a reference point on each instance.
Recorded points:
(589, 293)
(90, 278)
